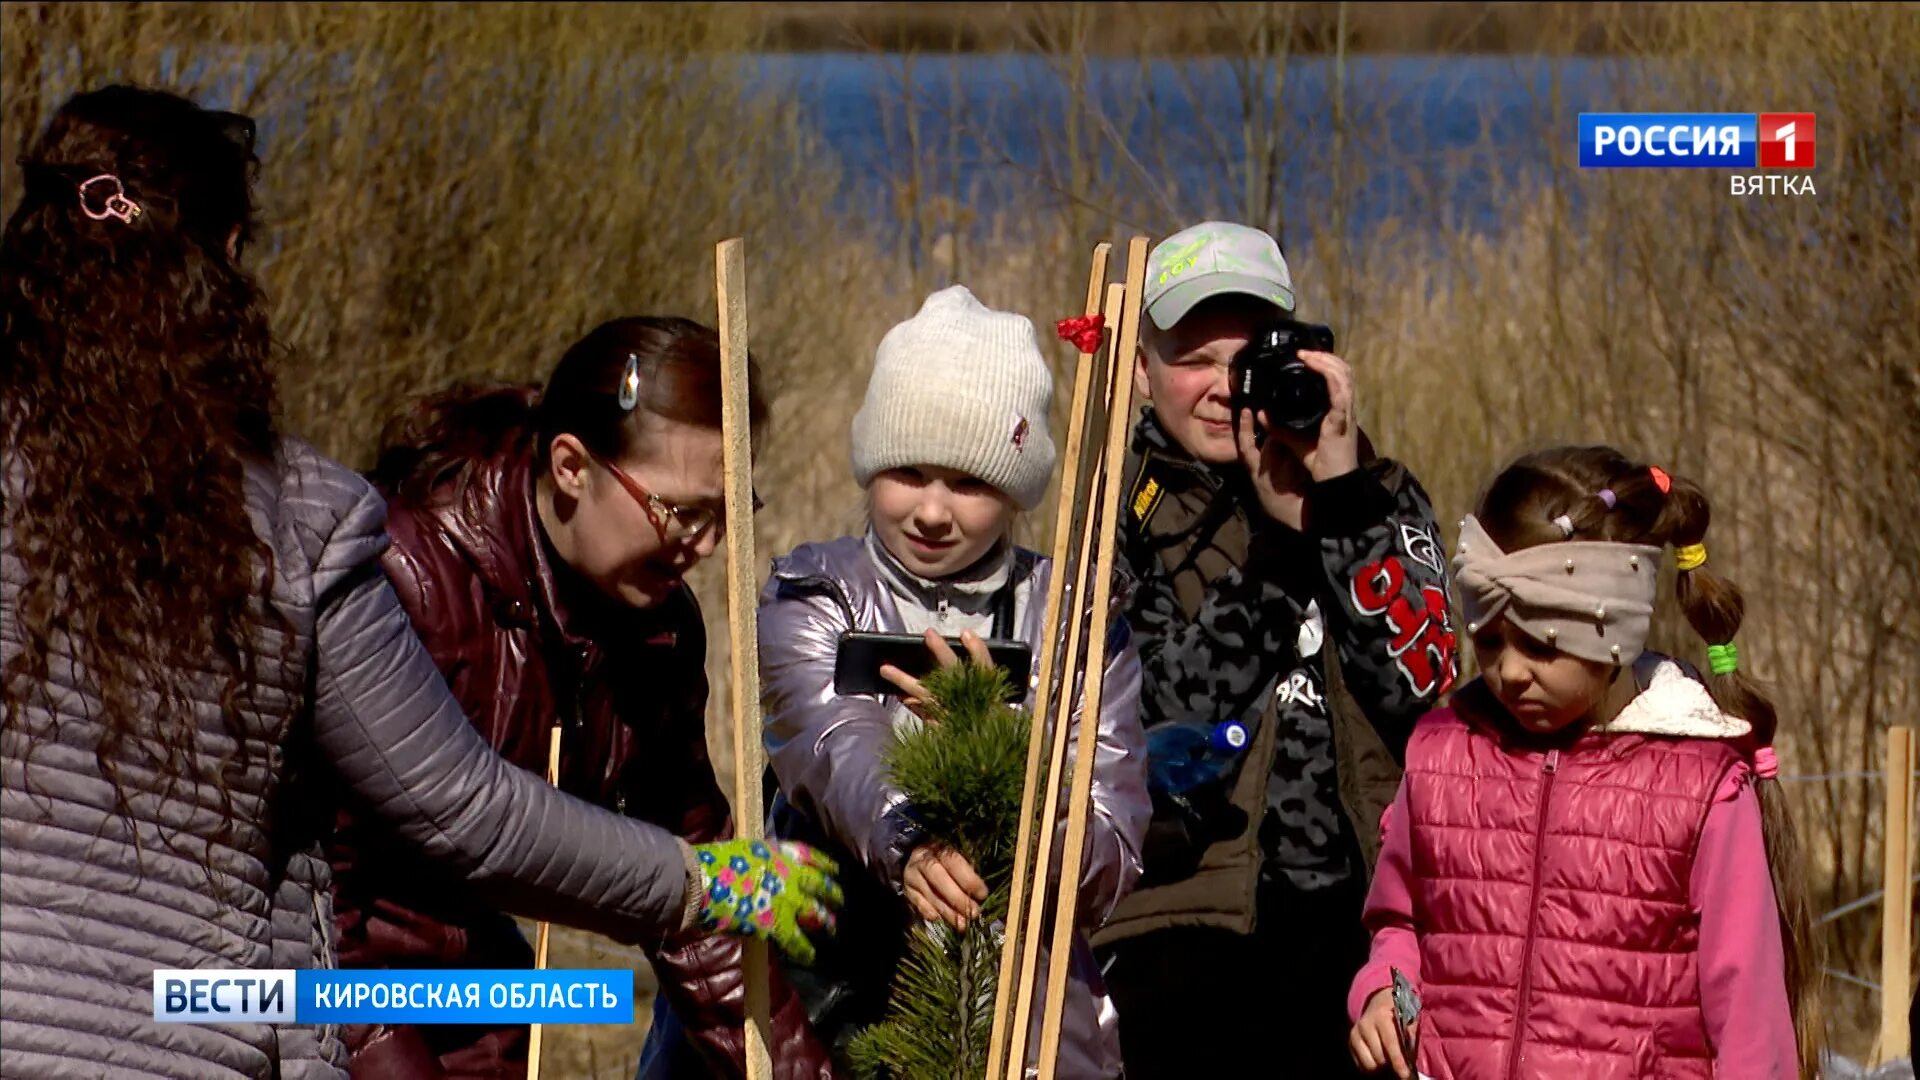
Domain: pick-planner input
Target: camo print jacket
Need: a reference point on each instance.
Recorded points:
(1226, 606)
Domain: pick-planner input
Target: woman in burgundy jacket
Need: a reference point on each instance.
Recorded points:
(540, 543)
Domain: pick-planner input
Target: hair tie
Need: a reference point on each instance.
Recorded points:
(1723, 659)
(1691, 557)
(115, 203)
(1766, 765)
(1565, 525)
(1660, 479)
(630, 383)
(1606, 496)
(1083, 331)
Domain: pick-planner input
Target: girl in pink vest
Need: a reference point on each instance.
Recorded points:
(1588, 870)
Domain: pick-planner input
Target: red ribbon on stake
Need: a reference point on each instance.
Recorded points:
(1084, 331)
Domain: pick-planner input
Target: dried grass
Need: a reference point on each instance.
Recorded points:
(460, 190)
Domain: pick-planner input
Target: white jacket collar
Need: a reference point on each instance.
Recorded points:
(1674, 703)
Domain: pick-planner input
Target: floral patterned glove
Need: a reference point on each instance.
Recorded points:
(769, 890)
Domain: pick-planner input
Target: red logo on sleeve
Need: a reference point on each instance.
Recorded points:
(1423, 643)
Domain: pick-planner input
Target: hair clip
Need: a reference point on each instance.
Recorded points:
(1606, 496)
(630, 383)
(1691, 557)
(1565, 525)
(1660, 479)
(116, 205)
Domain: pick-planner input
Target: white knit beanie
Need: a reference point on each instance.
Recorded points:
(961, 386)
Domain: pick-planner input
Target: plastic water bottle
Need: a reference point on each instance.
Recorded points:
(1183, 756)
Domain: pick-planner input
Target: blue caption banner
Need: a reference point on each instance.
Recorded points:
(455, 996)
(1669, 140)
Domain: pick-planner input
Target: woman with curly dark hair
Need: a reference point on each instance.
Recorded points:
(195, 627)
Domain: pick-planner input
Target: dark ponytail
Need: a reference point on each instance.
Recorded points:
(678, 377)
(1648, 506)
(1714, 607)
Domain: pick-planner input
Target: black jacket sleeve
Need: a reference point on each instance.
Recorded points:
(1390, 614)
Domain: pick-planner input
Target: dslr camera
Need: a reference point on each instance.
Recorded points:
(1268, 374)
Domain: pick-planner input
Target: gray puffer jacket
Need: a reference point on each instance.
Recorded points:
(825, 750)
(92, 902)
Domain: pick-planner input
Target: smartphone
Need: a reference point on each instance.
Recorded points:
(861, 655)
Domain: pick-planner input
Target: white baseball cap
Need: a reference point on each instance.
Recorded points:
(1213, 258)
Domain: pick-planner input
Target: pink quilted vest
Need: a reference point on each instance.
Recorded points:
(1556, 937)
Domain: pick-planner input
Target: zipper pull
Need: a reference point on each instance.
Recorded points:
(1552, 762)
(576, 716)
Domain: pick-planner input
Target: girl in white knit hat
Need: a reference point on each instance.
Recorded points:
(950, 443)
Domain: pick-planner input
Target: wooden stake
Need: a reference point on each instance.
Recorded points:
(1119, 422)
(749, 753)
(1896, 921)
(546, 928)
(1039, 737)
(1058, 726)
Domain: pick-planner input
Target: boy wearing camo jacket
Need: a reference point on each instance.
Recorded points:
(1290, 597)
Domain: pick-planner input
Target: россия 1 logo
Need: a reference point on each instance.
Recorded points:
(1705, 141)
(1786, 140)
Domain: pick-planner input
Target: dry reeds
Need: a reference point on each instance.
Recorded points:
(461, 190)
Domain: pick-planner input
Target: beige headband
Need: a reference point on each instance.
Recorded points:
(1588, 598)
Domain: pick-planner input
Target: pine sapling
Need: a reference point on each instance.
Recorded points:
(962, 773)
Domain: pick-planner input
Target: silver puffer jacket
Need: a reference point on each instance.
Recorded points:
(825, 750)
(95, 895)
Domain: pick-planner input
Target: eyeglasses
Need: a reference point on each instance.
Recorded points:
(673, 522)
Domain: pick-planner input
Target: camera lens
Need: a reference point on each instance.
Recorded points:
(1297, 397)
(1268, 375)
